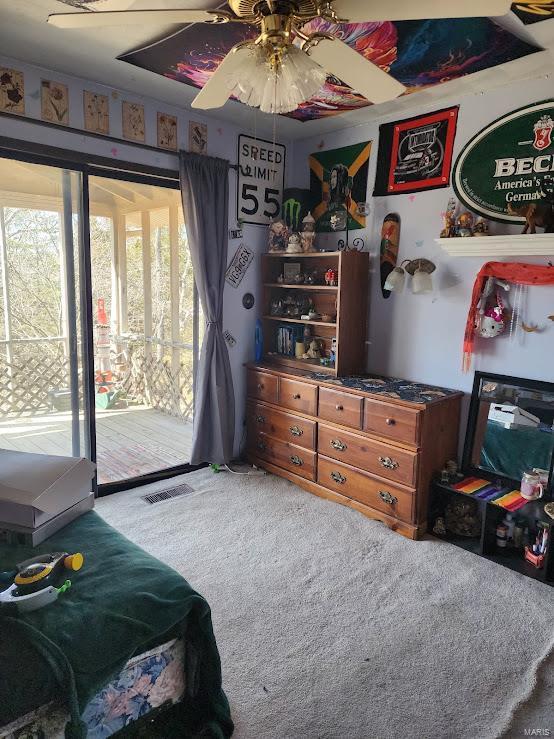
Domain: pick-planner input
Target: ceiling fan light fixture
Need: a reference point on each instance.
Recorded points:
(279, 87)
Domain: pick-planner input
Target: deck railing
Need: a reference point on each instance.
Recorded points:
(27, 388)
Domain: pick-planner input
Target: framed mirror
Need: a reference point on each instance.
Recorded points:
(510, 429)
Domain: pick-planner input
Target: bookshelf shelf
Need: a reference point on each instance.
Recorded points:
(299, 320)
(347, 300)
(307, 288)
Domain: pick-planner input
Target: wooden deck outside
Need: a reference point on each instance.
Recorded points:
(130, 441)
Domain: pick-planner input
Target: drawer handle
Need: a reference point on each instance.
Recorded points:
(296, 396)
(260, 419)
(387, 497)
(390, 421)
(338, 445)
(339, 407)
(296, 460)
(262, 446)
(260, 386)
(337, 477)
(388, 463)
(296, 431)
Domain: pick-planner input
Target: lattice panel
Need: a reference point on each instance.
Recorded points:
(151, 381)
(24, 389)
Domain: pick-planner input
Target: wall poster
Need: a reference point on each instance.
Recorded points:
(533, 12)
(261, 180)
(338, 182)
(416, 154)
(509, 164)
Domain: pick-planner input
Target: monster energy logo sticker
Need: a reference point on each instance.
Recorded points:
(291, 213)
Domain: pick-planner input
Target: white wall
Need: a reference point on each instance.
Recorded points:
(419, 337)
(222, 142)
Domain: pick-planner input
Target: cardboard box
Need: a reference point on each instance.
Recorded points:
(11, 533)
(36, 487)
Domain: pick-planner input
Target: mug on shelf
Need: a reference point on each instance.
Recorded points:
(531, 486)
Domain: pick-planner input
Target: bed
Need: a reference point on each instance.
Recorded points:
(129, 639)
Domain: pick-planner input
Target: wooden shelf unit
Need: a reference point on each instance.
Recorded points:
(348, 300)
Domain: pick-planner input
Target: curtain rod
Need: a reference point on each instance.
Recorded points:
(100, 136)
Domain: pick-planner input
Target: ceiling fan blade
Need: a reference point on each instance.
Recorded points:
(98, 19)
(217, 89)
(360, 11)
(351, 67)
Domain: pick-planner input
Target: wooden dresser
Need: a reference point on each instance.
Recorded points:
(370, 443)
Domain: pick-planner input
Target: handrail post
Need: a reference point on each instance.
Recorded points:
(6, 298)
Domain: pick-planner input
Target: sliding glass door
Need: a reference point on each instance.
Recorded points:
(145, 328)
(43, 378)
(99, 320)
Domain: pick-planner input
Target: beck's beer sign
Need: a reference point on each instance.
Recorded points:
(503, 166)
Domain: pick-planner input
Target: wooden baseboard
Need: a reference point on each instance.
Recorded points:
(410, 532)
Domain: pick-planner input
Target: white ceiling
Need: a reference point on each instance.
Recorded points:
(24, 35)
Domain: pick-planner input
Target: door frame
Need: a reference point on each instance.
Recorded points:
(91, 165)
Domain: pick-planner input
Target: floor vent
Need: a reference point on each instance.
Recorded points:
(175, 492)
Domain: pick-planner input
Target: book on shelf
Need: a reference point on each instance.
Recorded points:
(287, 336)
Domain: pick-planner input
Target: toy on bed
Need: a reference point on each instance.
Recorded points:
(38, 581)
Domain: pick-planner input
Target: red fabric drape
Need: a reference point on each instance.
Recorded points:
(515, 272)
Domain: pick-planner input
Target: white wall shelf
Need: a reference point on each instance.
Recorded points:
(499, 246)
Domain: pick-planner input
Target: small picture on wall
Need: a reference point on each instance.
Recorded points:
(12, 91)
(54, 102)
(133, 121)
(198, 137)
(167, 131)
(97, 112)
(416, 154)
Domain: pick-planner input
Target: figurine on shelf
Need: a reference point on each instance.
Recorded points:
(449, 220)
(333, 353)
(281, 279)
(313, 350)
(298, 279)
(331, 277)
(310, 278)
(481, 227)
(541, 212)
(276, 308)
(464, 224)
(278, 233)
(308, 234)
(294, 246)
(439, 528)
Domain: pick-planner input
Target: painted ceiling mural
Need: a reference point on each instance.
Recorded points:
(417, 53)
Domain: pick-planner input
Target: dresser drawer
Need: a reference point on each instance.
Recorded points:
(280, 425)
(340, 407)
(283, 454)
(360, 486)
(263, 386)
(395, 464)
(298, 396)
(392, 421)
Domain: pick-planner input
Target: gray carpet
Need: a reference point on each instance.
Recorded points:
(332, 627)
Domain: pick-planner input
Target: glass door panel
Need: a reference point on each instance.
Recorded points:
(144, 314)
(42, 373)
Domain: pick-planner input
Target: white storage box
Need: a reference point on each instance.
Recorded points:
(36, 487)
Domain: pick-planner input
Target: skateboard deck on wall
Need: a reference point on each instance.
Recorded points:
(390, 237)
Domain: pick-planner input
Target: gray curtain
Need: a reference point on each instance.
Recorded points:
(205, 194)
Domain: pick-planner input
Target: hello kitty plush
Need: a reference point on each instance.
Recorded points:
(490, 319)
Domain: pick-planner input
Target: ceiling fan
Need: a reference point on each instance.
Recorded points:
(284, 66)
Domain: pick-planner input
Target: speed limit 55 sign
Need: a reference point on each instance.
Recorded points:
(261, 180)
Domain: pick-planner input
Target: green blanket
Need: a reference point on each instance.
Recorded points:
(121, 603)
